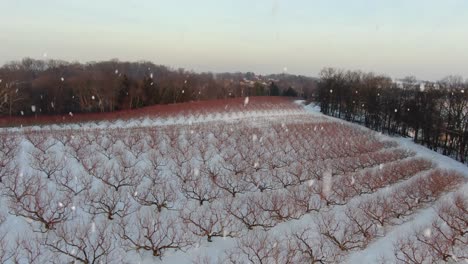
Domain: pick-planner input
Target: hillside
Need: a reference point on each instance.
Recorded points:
(256, 180)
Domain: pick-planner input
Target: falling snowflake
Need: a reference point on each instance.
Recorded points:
(70, 114)
(152, 83)
(93, 227)
(246, 101)
(183, 91)
(427, 232)
(135, 194)
(73, 208)
(196, 172)
(327, 183)
(60, 204)
(254, 137)
(396, 110)
(151, 75)
(352, 180)
(116, 71)
(33, 108)
(44, 54)
(256, 164)
(380, 166)
(22, 113)
(462, 91)
(52, 104)
(92, 97)
(62, 79)
(331, 91)
(310, 183)
(285, 69)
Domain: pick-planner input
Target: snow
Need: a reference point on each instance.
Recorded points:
(257, 119)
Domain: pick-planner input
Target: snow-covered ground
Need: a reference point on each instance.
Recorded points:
(264, 184)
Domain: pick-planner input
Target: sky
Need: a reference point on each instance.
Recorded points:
(424, 38)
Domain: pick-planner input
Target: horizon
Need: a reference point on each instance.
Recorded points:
(424, 39)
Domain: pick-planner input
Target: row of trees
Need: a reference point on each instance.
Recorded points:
(433, 114)
(58, 87)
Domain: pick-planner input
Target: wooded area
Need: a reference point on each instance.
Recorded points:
(434, 114)
(32, 87)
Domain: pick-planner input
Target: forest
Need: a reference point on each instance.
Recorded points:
(49, 87)
(434, 114)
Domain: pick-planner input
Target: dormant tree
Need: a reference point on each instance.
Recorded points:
(104, 200)
(154, 232)
(210, 220)
(32, 198)
(83, 241)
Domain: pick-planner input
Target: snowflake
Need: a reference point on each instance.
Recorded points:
(60, 204)
(22, 113)
(92, 97)
(254, 137)
(93, 227)
(116, 71)
(396, 110)
(151, 75)
(246, 101)
(310, 183)
(183, 91)
(427, 232)
(33, 108)
(73, 208)
(62, 79)
(331, 91)
(70, 114)
(327, 183)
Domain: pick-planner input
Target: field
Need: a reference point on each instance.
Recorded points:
(233, 181)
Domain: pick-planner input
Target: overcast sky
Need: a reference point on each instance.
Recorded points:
(425, 38)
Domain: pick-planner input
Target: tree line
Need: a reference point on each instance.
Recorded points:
(32, 87)
(434, 114)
